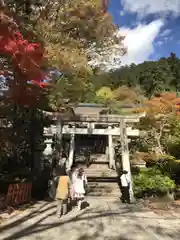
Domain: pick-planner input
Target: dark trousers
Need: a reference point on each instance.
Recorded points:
(125, 194)
(87, 161)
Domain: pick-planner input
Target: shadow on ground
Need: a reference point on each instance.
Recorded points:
(95, 221)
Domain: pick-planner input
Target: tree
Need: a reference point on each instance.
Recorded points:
(126, 94)
(152, 76)
(69, 38)
(63, 32)
(174, 64)
(105, 95)
(155, 79)
(159, 111)
(72, 30)
(21, 61)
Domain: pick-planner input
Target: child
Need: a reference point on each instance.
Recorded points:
(79, 190)
(73, 176)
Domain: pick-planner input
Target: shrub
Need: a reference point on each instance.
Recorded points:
(149, 157)
(151, 182)
(169, 165)
(173, 145)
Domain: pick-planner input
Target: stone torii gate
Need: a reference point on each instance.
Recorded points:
(109, 125)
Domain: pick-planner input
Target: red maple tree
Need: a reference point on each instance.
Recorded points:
(25, 56)
(26, 59)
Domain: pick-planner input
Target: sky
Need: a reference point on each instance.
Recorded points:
(151, 28)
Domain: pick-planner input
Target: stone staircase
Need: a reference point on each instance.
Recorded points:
(102, 181)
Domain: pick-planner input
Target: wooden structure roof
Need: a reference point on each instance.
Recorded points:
(89, 109)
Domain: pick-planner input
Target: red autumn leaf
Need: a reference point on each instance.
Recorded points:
(10, 46)
(26, 56)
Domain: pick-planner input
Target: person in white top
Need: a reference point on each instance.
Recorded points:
(74, 174)
(79, 190)
(73, 178)
(125, 184)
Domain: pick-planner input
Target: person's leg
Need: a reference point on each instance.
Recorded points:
(65, 202)
(127, 195)
(123, 198)
(79, 204)
(74, 202)
(87, 161)
(59, 207)
(72, 197)
(69, 204)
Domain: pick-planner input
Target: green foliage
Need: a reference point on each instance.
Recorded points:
(105, 95)
(152, 76)
(22, 138)
(161, 133)
(151, 182)
(173, 138)
(168, 165)
(173, 146)
(174, 64)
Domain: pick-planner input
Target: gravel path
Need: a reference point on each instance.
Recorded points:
(104, 219)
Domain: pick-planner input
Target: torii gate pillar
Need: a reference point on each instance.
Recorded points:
(125, 157)
(71, 150)
(111, 151)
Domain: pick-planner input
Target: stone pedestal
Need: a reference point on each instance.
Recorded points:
(47, 153)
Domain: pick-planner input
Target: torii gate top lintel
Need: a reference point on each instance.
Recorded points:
(87, 125)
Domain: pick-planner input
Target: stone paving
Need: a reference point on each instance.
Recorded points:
(104, 219)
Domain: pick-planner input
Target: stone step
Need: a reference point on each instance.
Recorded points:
(104, 194)
(100, 174)
(95, 165)
(104, 189)
(102, 179)
(109, 194)
(107, 169)
(94, 159)
(108, 197)
(103, 184)
(98, 170)
(99, 158)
